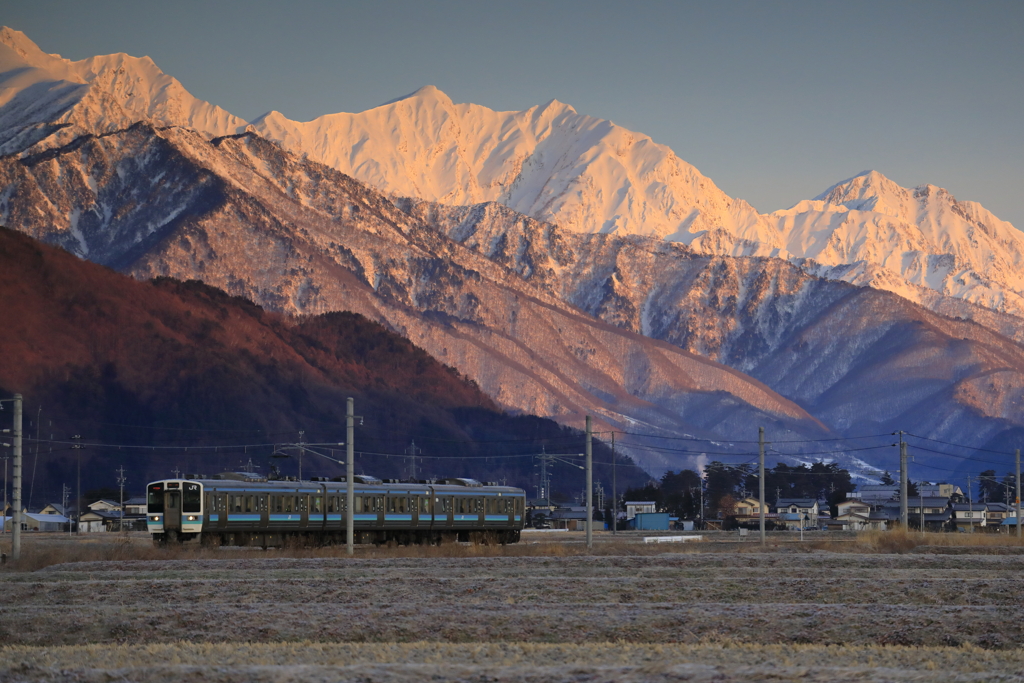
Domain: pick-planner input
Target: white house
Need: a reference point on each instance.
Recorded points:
(633, 507)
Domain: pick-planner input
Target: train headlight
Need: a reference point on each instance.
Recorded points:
(155, 518)
(191, 518)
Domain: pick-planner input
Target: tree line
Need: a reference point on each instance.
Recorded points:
(683, 493)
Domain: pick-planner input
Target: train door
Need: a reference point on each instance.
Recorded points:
(481, 508)
(261, 502)
(510, 509)
(302, 501)
(221, 501)
(172, 512)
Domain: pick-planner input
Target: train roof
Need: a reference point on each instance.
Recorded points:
(453, 486)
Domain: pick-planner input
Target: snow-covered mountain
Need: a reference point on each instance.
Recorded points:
(640, 279)
(870, 231)
(548, 162)
(241, 214)
(592, 176)
(555, 165)
(47, 101)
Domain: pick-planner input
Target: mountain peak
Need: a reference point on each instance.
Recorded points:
(427, 92)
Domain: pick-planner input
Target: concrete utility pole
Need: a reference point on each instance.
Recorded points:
(16, 536)
(970, 503)
(120, 482)
(590, 489)
(921, 497)
(1018, 493)
(350, 472)
(903, 482)
(760, 485)
(302, 449)
(78, 500)
(614, 489)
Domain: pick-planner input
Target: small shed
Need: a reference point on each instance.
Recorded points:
(650, 521)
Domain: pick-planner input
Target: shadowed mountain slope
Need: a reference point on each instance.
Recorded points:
(175, 366)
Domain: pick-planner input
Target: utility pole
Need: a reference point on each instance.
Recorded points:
(1018, 493)
(921, 497)
(903, 481)
(350, 471)
(4, 514)
(16, 536)
(65, 493)
(590, 488)
(970, 503)
(760, 504)
(120, 482)
(78, 500)
(614, 489)
(302, 449)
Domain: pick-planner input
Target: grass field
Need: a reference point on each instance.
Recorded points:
(838, 607)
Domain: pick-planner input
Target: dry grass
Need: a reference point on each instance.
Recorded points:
(720, 660)
(43, 550)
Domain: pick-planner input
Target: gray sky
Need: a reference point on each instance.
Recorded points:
(774, 101)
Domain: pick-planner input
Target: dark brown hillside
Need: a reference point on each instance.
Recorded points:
(183, 365)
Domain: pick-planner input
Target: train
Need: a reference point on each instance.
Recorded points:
(242, 509)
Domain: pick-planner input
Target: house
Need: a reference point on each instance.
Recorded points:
(104, 504)
(946, 491)
(852, 515)
(802, 506)
(876, 494)
(936, 512)
(54, 509)
(33, 521)
(995, 513)
(136, 505)
(749, 507)
(100, 520)
(969, 516)
(571, 518)
(633, 507)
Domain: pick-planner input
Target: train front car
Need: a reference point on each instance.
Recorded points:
(174, 510)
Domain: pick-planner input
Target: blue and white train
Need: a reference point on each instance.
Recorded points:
(242, 509)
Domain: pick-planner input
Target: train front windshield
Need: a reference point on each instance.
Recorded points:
(191, 498)
(155, 502)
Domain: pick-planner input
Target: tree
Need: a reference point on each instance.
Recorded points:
(887, 479)
(989, 488)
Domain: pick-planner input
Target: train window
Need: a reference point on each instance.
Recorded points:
(359, 503)
(425, 506)
(378, 503)
(403, 505)
(191, 498)
(392, 504)
(330, 504)
(287, 503)
(156, 498)
(278, 503)
(316, 504)
(447, 505)
(301, 503)
(236, 504)
(342, 503)
(173, 501)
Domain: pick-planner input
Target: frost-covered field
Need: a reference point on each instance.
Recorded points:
(539, 611)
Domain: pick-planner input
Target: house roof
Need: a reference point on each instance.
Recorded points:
(52, 519)
(640, 502)
(968, 507)
(799, 502)
(136, 500)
